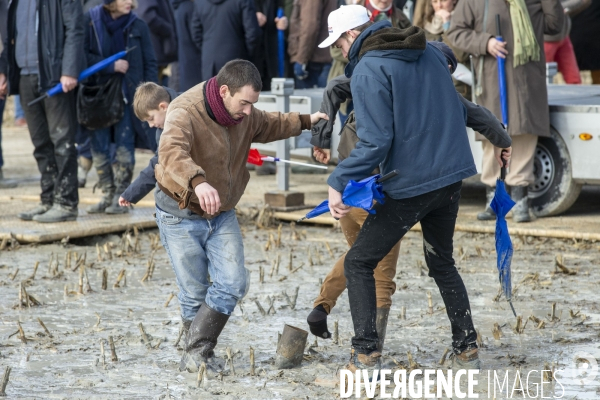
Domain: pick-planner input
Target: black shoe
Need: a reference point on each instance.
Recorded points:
(521, 208)
(488, 214)
(40, 209)
(317, 321)
(202, 339)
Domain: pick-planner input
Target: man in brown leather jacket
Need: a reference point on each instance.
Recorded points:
(202, 175)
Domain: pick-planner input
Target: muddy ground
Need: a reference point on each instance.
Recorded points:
(69, 364)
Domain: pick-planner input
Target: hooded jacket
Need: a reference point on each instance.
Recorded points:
(408, 114)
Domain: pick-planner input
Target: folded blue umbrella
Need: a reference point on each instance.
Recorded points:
(280, 46)
(502, 204)
(359, 194)
(86, 73)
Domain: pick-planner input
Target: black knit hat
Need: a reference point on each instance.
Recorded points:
(448, 53)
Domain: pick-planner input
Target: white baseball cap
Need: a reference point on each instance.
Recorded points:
(344, 19)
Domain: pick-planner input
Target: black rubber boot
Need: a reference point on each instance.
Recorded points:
(488, 214)
(381, 326)
(202, 338)
(521, 208)
(317, 321)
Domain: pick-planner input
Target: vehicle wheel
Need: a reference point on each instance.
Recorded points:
(554, 189)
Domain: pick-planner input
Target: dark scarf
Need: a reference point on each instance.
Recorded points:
(115, 28)
(216, 105)
(377, 15)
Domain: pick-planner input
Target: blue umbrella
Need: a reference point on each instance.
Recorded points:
(86, 73)
(502, 77)
(502, 204)
(359, 194)
(281, 44)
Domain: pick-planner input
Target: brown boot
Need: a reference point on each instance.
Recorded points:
(202, 338)
(468, 359)
(370, 362)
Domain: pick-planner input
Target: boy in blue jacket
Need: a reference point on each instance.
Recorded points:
(150, 104)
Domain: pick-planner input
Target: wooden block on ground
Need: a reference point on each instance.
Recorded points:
(283, 198)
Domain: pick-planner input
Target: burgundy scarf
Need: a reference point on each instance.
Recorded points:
(215, 101)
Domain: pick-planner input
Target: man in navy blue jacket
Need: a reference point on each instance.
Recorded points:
(409, 119)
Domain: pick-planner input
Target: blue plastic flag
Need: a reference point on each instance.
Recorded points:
(359, 194)
(281, 45)
(86, 73)
(502, 204)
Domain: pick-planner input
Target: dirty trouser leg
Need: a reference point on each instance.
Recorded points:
(52, 125)
(225, 251)
(438, 230)
(125, 152)
(184, 241)
(379, 234)
(335, 282)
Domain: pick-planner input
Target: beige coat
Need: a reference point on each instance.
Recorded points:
(194, 149)
(526, 85)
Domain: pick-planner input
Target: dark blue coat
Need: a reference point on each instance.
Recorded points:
(408, 117)
(144, 183)
(159, 17)
(189, 54)
(224, 30)
(142, 63)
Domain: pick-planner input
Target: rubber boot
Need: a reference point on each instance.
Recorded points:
(107, 197)
(84, 165)
(202, 338)
(381, 325)
(521, 208)
(185, 327)
(105, 182)
(123, 173)
(488, 214)
(317, 322)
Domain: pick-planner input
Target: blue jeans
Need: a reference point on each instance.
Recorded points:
(19, 113)
(198, 248)
(317, 76)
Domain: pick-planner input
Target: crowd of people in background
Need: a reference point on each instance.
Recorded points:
(180, 43)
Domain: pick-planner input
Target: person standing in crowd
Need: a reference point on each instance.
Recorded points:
(559, 48)
(158, 15)
(266, 56)
(437, 22)
(202, 171)
(523, 24)
(188, 53)
(4, 183)
(393, 73)
(113, 27)
(585, 35)
(43, 49)
(308, 27)
(224, 30)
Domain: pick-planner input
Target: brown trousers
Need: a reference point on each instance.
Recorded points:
(335, 282)
(520, 172)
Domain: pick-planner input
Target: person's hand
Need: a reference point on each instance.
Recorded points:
(281, 23)
(300, 71)
(337, 208)
(444, 14)
(123, 202)
(121, 66)
(262, 19)
(3, 86)
(209, 199)
(322, 155)
(501, 154)
(496, 48)
(68, 83)
(316, 117)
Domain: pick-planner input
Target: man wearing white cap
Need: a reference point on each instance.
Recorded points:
(409, 118)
